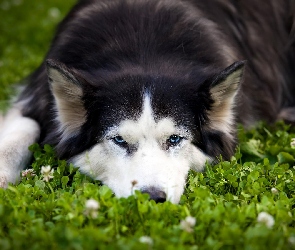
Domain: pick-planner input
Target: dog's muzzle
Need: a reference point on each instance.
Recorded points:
(155, 194)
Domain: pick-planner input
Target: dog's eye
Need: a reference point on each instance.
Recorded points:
(119, 140)
(174, 140)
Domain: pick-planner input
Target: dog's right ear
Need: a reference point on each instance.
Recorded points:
(66, 87)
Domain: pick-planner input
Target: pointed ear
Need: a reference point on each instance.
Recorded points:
(223, 91)
(67, 90)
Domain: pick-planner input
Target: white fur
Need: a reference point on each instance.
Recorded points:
(151, 165)
(17, 133)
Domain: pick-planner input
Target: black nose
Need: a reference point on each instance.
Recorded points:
(155, 194)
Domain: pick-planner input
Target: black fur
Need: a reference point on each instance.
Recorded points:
(174, 50)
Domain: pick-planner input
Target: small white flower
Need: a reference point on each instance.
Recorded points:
(274, 191)
(292, 143)
(146, 240)
(265, 218)
(54, 13)
(28, 173)
(292, 240)
(47, 173)
(188, 223)
(91, 208)
(92, 204)
(45, 169)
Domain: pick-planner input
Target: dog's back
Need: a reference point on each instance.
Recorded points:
(263, 34)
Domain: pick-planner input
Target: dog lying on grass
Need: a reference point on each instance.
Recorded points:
(137, 92)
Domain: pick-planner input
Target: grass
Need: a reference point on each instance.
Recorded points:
(225, 200)
(26, 29)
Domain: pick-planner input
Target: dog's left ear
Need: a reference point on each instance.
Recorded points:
(67, 88)
(223, 90)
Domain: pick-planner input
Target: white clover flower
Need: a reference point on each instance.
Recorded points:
(47, 173)
(92, 204)
(291, 240)
(274, 191)
(266, 219)
(292, 143)
(146, 240)
(91, 208)
(28, 173)
(54, 13)
(188, 223)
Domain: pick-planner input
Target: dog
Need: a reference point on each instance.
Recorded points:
(138, 92)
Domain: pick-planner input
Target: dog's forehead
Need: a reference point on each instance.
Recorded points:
(148, 125)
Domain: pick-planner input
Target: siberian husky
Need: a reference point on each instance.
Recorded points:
(137, 92)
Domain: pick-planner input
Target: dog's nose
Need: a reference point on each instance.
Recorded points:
(155, 194)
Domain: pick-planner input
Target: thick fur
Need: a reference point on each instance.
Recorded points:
(145, 70)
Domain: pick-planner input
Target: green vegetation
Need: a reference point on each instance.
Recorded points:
(63, 209)
(221, 208)
(26, 29)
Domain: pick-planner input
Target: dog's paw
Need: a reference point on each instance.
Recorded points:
(8, 174)
(3, 181)
(287, 115)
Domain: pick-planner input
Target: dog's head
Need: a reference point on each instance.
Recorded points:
(143, 132)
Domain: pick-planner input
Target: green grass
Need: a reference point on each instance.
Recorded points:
(225, 200)
(26, 29)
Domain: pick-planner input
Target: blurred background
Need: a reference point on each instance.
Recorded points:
(26, 29)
